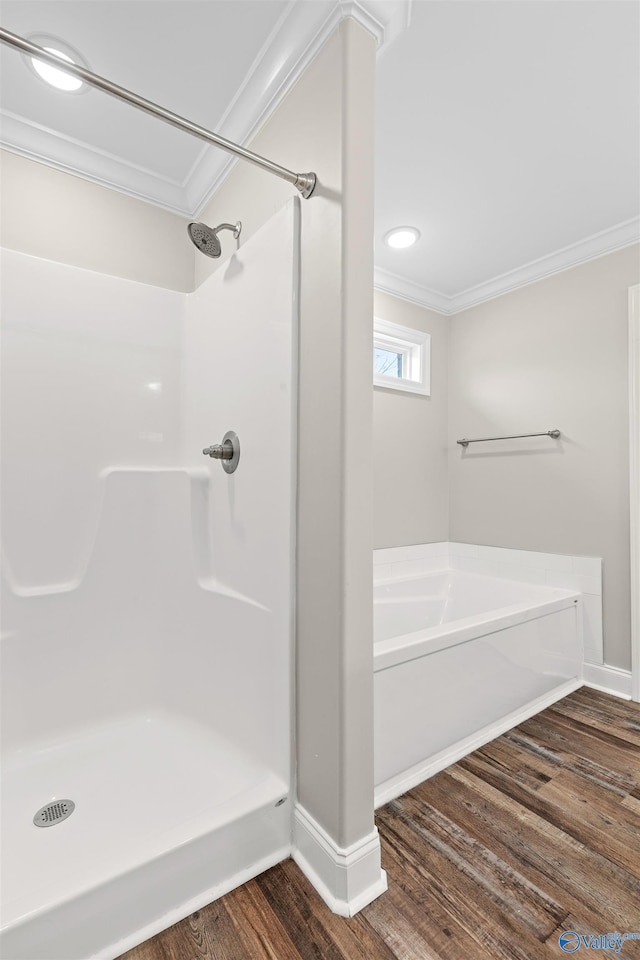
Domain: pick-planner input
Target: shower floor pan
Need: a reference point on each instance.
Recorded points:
(167, 817)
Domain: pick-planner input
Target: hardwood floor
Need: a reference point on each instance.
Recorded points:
(534, 834)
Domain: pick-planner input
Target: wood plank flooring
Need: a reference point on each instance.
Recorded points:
(534, 834)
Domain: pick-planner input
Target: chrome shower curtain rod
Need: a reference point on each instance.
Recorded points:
(304, 182)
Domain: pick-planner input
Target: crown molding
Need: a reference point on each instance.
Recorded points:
(397, 286)
(297, 38)
(598, 245)
(293, 43)
(40, 143)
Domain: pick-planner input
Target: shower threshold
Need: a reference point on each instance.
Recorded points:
(168, 816)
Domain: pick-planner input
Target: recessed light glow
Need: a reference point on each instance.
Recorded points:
(57, 78)
(401, 237)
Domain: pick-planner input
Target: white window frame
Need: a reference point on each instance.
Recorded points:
(415, 347)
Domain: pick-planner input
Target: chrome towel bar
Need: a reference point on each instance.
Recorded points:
(517, 436)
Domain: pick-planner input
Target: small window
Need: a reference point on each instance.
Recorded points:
(388, 362)
(401, 357)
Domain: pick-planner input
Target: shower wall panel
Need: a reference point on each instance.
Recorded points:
(137, 575)
(90, 374)
(90, 385)
(240, 351)
(147, 594)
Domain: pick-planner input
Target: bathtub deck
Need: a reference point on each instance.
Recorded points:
(536, 833)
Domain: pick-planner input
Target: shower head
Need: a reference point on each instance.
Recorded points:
(206, 238)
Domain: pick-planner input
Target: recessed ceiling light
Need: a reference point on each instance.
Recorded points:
(401, 237)
(59, 79)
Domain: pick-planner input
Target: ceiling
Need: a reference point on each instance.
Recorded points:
(508, 131)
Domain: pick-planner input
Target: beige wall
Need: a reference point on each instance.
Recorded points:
(56, 216)
(326, 124)
(411, 488)
(552, 354)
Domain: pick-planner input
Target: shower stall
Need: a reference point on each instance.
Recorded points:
(146, 592)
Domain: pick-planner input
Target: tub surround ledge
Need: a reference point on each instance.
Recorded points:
(582, 574)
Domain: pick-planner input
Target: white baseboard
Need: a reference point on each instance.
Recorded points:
(347, 878)
(395, 786)
(608, 679)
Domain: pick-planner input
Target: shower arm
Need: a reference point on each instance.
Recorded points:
(234, 227)
(304, 182)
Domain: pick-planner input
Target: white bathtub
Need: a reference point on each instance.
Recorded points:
(459, 658)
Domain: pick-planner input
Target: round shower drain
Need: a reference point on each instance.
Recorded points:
(54, 813)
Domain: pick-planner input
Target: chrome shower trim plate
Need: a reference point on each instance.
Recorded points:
(231, 438)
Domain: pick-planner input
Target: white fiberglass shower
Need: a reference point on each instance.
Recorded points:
(147, 594)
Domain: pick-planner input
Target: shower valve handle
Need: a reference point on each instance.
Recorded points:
(228, 451)
(219, 451)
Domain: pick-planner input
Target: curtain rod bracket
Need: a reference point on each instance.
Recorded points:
(306, 184)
